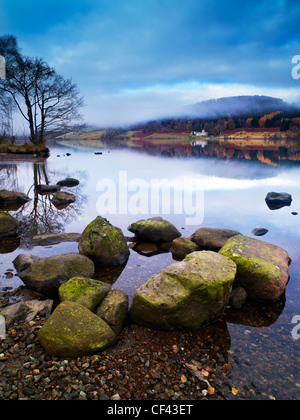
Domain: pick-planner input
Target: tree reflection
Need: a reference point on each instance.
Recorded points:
(40, 216)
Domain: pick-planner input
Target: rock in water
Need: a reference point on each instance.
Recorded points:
(155, 229)
(104, 243)
(69, 182)
(260, 231)
(213, 239)
(186, 295)
(61, 198)
(276, 201)
(263, 269)
(8, 198)
(46, 275)
(74, 331)
(8, 225)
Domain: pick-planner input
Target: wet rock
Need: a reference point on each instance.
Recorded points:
(26, 311)
(213, 239)
(155, 229)
(181, 247)
(68, 182)
(260, 231)
(47, 189)
(8, 198)
(238, 297)
(46, 275)
(186, 295)
(276, 200)
(104, 243)
(8, 225)
(263, 269)
(74, 331)
(2, 328)
(86, 292)
(61, 198)
(24, 261)
(114, 309)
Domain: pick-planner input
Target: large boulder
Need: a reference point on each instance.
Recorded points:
(213, 239)
(263, 269)
(74, 331)
(186, 295)
(104, 243)
(155, 229)
(86, 292)
(46, 275)
(8, 225)
(8, 198)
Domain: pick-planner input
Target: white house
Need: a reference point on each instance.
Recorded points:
(203, 133)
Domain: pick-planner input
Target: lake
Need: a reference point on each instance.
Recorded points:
(191, 187)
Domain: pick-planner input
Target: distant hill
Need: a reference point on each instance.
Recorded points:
(237, 106)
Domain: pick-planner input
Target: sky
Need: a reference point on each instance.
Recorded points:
(136, 60)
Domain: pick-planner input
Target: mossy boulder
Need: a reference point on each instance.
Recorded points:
(46, 275)
(86, 292)
(114, 309)
(263, 268)
(155, 229)
(74, 331)
(8, 225)
(104, 243)
(186, 295)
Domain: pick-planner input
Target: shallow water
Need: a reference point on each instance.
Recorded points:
(209, 192)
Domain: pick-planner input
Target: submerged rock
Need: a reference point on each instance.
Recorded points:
(213, 239)
(186, 295)
(263, 269)
(74, 331)
(104, 243)
(46, 275)
(155, 229)
(8, 225)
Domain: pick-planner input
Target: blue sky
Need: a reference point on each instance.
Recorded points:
(140, 59)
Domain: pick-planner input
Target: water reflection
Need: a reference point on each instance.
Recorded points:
(256, 339)
(40, 215)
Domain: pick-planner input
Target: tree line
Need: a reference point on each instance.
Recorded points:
(45, 100)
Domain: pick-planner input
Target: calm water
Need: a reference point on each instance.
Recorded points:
(227, 193)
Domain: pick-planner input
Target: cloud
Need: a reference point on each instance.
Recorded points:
(140, 58)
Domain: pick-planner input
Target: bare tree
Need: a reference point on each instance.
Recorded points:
(45, 99)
